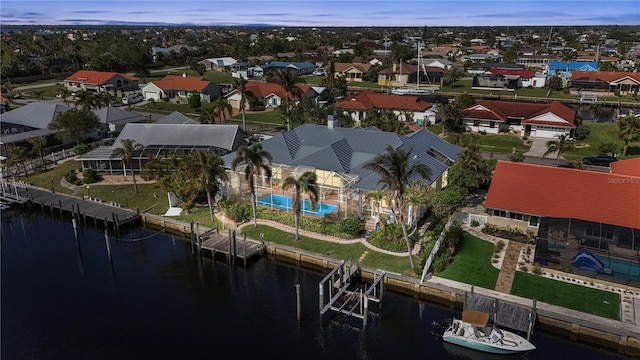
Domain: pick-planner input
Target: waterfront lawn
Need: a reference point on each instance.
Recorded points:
(341, 251)
(570, 296)
(144, 200)
(501, 143)
(199, 215)
(263, 119)
(43, 179)
(472, 264)
(601, 133)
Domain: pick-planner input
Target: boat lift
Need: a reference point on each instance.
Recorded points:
(341, 299)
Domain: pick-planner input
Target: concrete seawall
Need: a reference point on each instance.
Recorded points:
(577, 326)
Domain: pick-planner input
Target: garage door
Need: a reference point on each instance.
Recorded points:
(151, 95)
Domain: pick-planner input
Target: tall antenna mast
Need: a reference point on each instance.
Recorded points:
(549, 40)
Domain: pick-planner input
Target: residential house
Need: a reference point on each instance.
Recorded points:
(406, 107)
(527, 119)
(481, 58)
(539, 62)
(98, 81)
(176, 117)
(337, 156)
(399, 75)
(270, 95)
(222, 64)
(351, 71)
(114, 119)
(557, 204)
(564, 68)
(303, 68)
(28, 121)
(604, 83)
(508, 79)
(179, 88)
(163, 140)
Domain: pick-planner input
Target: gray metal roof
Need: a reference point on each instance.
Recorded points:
(347, 150)
(37, 115)
(117, 116)
(221, 136)
(9, 139)
(176, 117)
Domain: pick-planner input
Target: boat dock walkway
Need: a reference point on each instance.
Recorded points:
(83, 208)
(215, 242)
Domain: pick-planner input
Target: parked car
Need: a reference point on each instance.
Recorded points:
(131, 99)
(601, 159)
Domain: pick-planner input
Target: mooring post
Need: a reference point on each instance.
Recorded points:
(298, 301)
(229, 253)
(106, 240)
(321, 295)
(60, 206)
(191, 237)
(532, 318)
(341, 273)
(198, 239)
(233, 261)
(366, 311)
(381, 292)
(244, 245)
(75, 228)
(117, 224)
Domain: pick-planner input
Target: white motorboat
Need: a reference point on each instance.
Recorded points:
(472, 332)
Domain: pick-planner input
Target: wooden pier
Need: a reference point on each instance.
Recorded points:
(215, 242)
(80, 208)
(512, 316)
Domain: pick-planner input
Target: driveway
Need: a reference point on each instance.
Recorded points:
(539, 147)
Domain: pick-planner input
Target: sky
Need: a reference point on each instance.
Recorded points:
(311, 13)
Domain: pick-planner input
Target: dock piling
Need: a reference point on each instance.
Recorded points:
(75, 228)
(106, 239)
(298, 301)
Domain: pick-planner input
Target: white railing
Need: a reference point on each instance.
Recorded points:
(436, 247)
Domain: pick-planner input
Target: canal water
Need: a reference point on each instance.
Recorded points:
(65, 300)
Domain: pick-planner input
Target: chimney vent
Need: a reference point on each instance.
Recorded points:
(332, 121)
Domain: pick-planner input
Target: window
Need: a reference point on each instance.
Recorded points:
(476, 122)
(533, 221)
(492, 124)
(594, 231)
(500, 213)
(515, 216)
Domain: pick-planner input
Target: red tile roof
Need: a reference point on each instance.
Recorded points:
(96, 77)
(188, 83)
(366, 100)
(626, 167)
(605, 76)
(264, 89)
(530, 113)
(565, 193)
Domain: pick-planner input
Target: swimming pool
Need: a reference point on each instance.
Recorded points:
(622, 269)
(284, 203)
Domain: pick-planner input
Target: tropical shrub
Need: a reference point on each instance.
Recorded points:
(235, 210)
(81, 149)
(72, 178)
(89, 176)
(390, 238)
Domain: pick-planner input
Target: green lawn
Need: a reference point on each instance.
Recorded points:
(472, 264)
(436, 129)
(264, 119)
(352, 251)
(601, 133)
(571, 296)
(43, 179)
(501, 143)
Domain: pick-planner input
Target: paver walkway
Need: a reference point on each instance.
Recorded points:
(509, 265)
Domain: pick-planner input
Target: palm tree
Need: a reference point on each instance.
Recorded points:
(127, 151)
(38, 144)
(449, 114)
(222, 108)
(18, 156)
(65, 93)
(305, 183)
(628, 131)
(396, 171)
(245, 96)
(418, 195)
(255, 161)
(560, 145)
(211, 173)
(288, 79)
(86, 100)
(452, 75)
(596, 109)
(377, 196)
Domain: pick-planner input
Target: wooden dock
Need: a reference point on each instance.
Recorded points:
(228, 245)
(100, 212)
(512, 316)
